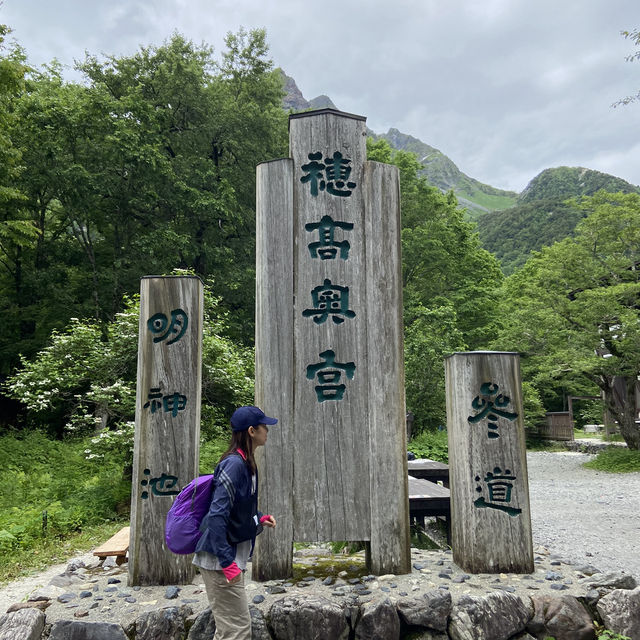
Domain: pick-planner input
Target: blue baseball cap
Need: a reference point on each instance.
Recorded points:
(246, 417)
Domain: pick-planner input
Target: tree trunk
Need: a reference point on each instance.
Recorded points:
(629, 429)
(623, 407)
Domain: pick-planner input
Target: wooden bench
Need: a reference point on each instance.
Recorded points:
(429, 499)
(429, 470)
(117, 545)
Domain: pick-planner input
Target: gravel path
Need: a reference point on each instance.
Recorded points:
(583, 515)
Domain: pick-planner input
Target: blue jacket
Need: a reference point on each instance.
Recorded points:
(233, 515)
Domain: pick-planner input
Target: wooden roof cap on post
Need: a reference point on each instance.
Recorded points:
(173, 275)
(319, 112)
(481, 353)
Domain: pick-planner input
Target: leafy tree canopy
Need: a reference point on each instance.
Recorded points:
(450, 284)
(634, 36)
(85, 379)
(147, 167)
(572, 310)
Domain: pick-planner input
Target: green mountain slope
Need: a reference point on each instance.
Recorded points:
(442, 172)
(510, 225)
(542, 215)
(569, 182)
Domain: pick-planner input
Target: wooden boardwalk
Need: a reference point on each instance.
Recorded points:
(429, 470)
(427, 498)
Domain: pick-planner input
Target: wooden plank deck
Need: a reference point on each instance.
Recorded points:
(429, 499)
(429, 470)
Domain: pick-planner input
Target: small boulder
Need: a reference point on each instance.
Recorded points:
(608, 582)
(41, 605)
(259, 630)
(379, 621)
(431, 611)
(620, 611)
(65, 580)
(163, 624)
(50, 592)
(171, 592)
(65, 598)
(75, 564)
(560, 617)
(204, 626)
(588, 570)
(295, 616)
(65, 629)
(26, 624)
(496, 616)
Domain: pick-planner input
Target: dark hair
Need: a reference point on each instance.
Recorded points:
(241, 440)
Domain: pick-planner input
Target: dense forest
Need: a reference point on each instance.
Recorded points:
(147, 166)
(545, 212)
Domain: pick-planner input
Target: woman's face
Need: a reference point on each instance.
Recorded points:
(258, 435)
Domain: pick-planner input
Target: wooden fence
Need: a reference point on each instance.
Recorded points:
(559, 426)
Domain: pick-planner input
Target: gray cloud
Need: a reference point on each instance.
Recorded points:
(505, 88)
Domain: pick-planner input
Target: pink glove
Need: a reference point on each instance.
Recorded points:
(231, 571)
(264, 518)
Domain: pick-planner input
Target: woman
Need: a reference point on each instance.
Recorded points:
(231, 526)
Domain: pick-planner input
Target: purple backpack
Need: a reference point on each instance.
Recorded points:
(182, 527)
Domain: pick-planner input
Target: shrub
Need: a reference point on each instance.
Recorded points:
(55, 490)
(615, 460)
(85, 380)
(430, 444)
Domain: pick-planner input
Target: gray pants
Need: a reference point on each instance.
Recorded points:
(228, 605)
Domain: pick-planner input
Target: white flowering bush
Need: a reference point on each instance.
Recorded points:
(84, 381)
(114, 446)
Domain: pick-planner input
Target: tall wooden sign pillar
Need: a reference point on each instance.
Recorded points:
(491, 521)
(329, 353)
(167, 437)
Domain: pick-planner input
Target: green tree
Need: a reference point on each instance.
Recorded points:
(84, 380)
(201, 125)
(148, 166)
(17, 232)
(450, 284)
(572, 310)
(634, 36)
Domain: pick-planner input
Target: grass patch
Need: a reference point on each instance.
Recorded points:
(615, 460)
(57, 490)
(331, 566)
(85, 498)
(210, 452)
(601, 435)
(420, 540)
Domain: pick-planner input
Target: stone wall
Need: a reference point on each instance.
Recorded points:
(611, 599)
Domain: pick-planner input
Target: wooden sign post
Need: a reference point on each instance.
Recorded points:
(329, 353)
(167, 436)
(491, 521)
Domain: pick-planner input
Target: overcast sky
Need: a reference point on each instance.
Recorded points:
(505, 88)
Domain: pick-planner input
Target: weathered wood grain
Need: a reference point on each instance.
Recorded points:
(390, 548)
(167, 435)
(491, 533)
(274, 391)
(335, 467)
(116, 545)
(332, 441)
